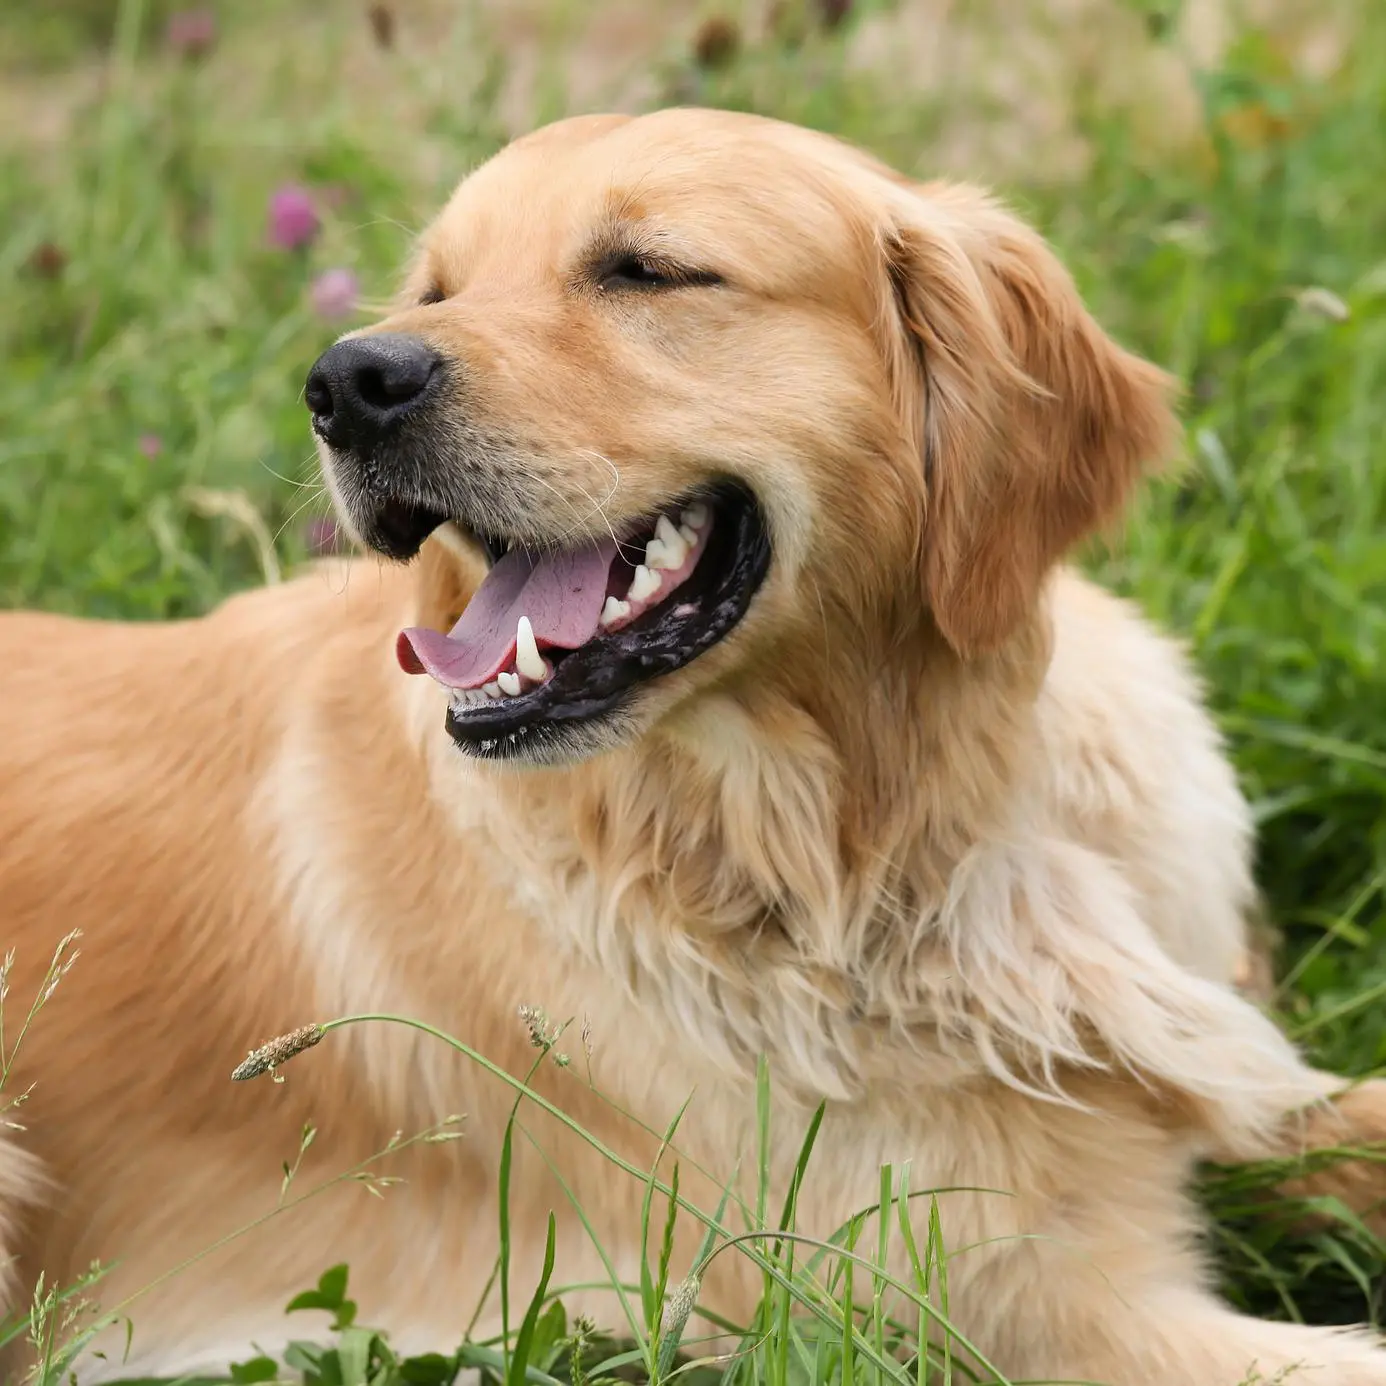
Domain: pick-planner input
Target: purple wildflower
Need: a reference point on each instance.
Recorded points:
(191, 33)
(151, 445)
(293, 220)
(334, 294)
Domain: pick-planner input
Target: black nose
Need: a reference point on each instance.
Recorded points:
(360, 390)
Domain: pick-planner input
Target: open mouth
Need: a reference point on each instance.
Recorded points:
(557, 638)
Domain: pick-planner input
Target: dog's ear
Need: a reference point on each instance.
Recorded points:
(1034, 425)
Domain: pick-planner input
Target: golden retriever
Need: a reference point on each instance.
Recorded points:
(737, 701)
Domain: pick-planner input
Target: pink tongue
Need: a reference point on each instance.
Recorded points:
(561, 593)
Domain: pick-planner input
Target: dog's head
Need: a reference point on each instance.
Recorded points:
(715, 398)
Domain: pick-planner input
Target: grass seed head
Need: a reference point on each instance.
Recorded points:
(278, 1051)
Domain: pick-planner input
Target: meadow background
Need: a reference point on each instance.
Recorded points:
(193, 202)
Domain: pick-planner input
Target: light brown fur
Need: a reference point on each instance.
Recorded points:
(940, 828)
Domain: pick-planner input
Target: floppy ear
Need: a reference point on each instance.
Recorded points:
(1036, 425)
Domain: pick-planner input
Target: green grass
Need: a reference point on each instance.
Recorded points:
(142, 303)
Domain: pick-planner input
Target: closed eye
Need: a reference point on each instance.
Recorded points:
(651, 273)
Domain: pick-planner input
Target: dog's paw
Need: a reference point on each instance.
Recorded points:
(1352, 1120)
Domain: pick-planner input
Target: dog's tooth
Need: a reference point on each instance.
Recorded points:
(687, 535)
(614, 610)
(675, 546)
(695, 517)
(666, 549)
(509, 683)
(643, 585)
(667, 534)
(492, 690)
(528, 660)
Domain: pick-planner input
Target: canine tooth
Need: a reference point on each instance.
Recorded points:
(528, 660)
(687, 535)
(614, 610)
(492, 690)
(509, 684)
(695, 517)
(643, 585)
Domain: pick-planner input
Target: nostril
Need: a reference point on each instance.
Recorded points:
(318, 397)
(382, 389)
(394, 381)
(370, 389)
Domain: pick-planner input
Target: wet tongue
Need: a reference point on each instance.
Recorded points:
(562, 594)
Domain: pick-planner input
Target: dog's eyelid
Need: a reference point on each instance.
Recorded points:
(431, 295)
(650, 270)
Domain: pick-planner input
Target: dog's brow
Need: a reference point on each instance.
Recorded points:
(619, 236)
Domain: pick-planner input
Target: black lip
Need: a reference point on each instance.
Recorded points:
(593, 682)
(397, 528)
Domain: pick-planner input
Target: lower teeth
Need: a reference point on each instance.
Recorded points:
(504, 686)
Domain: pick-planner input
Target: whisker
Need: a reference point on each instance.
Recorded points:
(298, 484)
(597, 507)
(318, 494)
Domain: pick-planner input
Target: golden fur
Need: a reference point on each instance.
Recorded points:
(940, 828)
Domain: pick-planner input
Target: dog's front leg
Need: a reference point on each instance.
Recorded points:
(1214, 1053)
(1145, 1066)
(1060, 973)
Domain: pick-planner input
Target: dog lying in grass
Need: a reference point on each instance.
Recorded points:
(728, 690)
